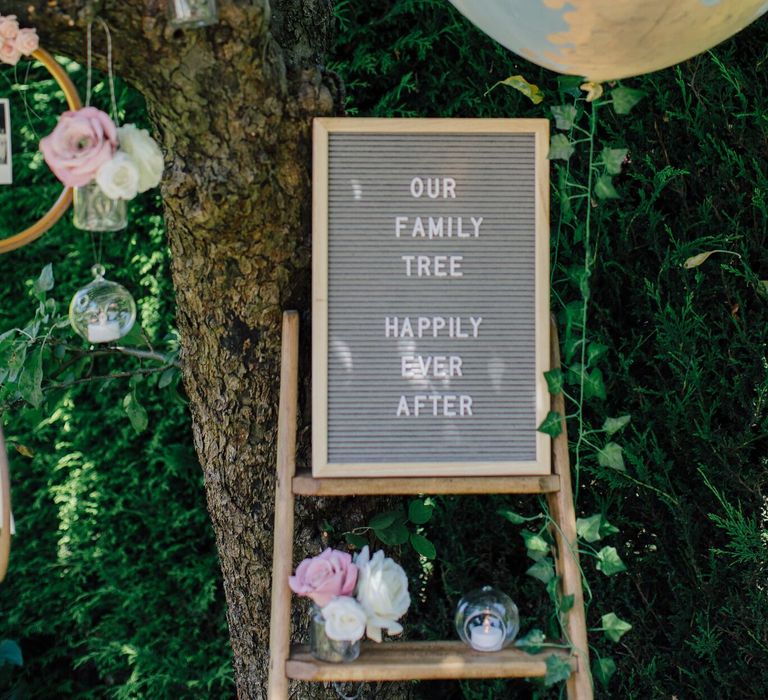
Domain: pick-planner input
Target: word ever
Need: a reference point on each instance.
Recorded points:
(431, 326)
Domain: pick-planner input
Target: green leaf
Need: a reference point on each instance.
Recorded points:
(569, 84)
(613, 159)
(552, 425)
(543, 570)
(566, 603)
(558, 669)
(613, 425)
(10, 653)
(15, 359)
(419, 512)
(423, 546)
(381, 521)
(554, 380)
(595, 351)
(135, 336)
(44, 283)
(614, 627)
(604, 188)
(609, 561)
(607, 529)
(519, 83)
(589, 528)
(624, 99)
(537, 547)
(356, 541)
(513, 517)
(395, 534)
(560, 148)
(531, 642)
(611, 456)
(31, 379)
(604, 670)
(553, 588)
(136, 413)
(593, 385)
(565, 116)
(166, 377)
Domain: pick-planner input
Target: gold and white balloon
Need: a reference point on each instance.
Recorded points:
(609, 39)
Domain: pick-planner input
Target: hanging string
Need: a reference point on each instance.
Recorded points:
(97, 250)
(89, 67)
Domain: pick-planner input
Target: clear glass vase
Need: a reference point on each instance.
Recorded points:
(192, 13)
(94, 211)
(322, 647)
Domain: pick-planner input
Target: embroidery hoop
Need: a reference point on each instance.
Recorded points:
(61, 205)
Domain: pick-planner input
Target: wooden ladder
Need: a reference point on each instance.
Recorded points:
(399, 661)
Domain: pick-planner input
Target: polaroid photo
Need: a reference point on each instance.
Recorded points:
(6, 171)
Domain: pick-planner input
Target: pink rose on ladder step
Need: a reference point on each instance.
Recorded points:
(79, 145)
(325, 576)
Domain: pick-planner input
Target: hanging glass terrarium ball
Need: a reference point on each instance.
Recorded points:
(102, 311)
(192, 13)
(487, 619)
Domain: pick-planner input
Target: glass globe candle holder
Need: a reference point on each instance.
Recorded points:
(189, 14)
(487, 619)
(94, 211)
(102, 311)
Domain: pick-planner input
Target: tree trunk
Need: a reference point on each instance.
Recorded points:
(233, 105)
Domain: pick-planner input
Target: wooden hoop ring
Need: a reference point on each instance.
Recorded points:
(5, 494)
(65, 198)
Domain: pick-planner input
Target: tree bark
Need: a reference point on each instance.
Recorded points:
(232, 105)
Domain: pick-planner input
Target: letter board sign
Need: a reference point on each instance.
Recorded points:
(430, 325)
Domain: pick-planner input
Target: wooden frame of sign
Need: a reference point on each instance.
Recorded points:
(430, 328)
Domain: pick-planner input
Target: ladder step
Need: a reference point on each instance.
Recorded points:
(400, 661)
(304, 484)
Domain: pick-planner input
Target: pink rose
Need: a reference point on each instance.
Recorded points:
(79, 145)
(27, 41)
(9, 27)
(325, 576)
(9, 53)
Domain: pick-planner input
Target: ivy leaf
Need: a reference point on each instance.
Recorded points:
(136, 413)
(611, 456)
(10, 653)
(558, 669)
(536, 546)
(609, 561)
(553, 589)
(419, 512)
(532, 642)
(595, 351)
(44, 283)
(513, 517)
(423, 546)
(565, 116)
(395, 534)
(604, 188)
(613, 425)
(552, 425)
(604, 670)
(607, 529)
(355, 540)
(624, 99)
(560, 148)
(593, 385)
(569, 84)
(31, 379)
(381, 521)
(554, 380)
(543, 570)
(519, 83)
(566, 604)
(614, 627)
(589, 528)
(613, 159)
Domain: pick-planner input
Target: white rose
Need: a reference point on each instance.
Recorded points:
(382, 589)
(118, 178)
(344, 619)
(145, 152)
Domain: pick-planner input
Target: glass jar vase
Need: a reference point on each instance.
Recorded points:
(94, 211)
(323, 648)
(192, 13)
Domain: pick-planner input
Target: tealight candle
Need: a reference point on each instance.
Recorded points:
(488, 636)
(104, 331)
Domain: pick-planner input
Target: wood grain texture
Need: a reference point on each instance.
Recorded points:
(304, 484)
(420, 661)
(5, 494)
(580, 684)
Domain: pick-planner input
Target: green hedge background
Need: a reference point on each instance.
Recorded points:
(114, 590)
